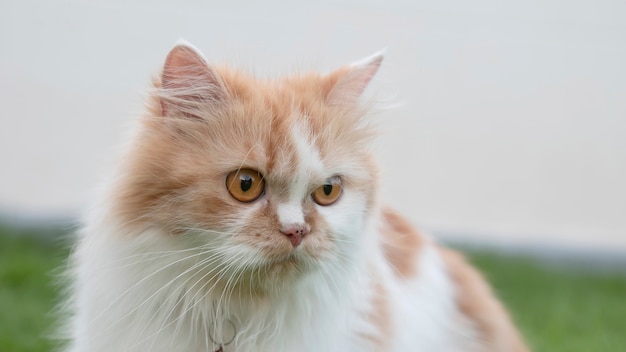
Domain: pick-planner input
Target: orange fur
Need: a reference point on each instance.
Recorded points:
(477, 302)
(401, 243)
(380, 315)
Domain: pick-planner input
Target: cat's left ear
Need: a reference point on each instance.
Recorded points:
(189, 85)
(348, 83)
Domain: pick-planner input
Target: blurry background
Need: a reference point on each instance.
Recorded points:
(509, 125)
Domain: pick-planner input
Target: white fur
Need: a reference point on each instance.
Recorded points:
(290, 214)
(124, 302)
(309, 159)
(309, 163)
(428, 303)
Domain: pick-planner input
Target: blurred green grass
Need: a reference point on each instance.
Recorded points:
(29, 290)
(560, 308)
(557, 308)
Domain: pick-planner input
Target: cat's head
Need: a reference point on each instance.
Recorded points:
(269, 176)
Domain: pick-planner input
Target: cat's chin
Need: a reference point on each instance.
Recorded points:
(284, 264)
(288, 260)
(288, 267)
(274, 277)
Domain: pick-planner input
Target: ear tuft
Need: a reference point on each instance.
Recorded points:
(354, 79)
(188, 83)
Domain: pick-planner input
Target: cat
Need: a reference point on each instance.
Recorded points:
(245, 216)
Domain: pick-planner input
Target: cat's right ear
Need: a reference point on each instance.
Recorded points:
(348, 83)
(189, 85)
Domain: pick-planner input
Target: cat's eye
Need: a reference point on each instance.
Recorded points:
(245, 185)
(329, 192)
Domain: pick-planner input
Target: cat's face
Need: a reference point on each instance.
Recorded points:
(273, 177)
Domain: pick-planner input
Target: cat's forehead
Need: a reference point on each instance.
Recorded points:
(299, 161)
(288, 123)
(290, 152)
(287, 131)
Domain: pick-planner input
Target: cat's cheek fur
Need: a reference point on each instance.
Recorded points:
(347, 220)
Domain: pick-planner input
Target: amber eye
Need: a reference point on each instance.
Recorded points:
(245, 185)
(329, 192)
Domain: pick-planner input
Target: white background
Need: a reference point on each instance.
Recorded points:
(511, 124)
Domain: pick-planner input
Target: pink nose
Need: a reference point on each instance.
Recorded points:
(295, 233)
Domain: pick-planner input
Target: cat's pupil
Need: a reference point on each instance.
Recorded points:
(328, 189)
(246, 182)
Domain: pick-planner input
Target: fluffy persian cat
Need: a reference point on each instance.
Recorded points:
(245, 217)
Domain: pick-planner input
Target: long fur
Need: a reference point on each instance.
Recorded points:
(169, 261)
